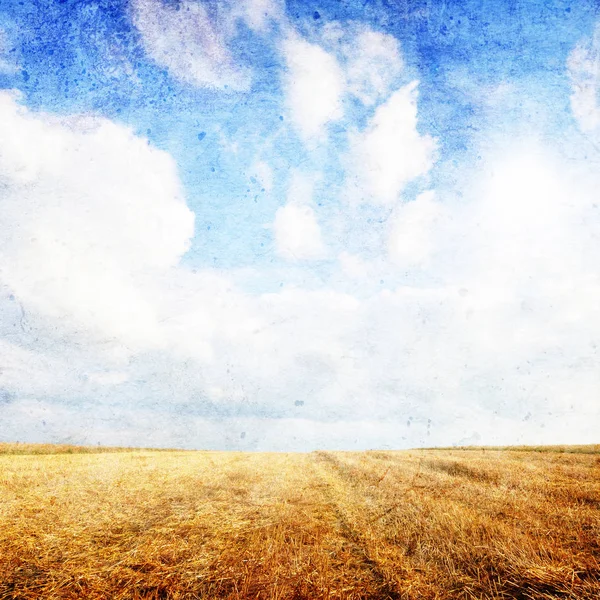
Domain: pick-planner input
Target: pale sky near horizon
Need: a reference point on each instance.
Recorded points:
(260, 225)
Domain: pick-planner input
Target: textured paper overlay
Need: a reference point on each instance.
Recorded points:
(363, 234)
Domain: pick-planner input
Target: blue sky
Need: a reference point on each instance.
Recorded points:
(267, 225)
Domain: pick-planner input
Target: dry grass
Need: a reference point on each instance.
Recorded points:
(21, 448)
(428, 524)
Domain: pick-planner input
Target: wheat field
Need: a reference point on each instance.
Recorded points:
(421, 524)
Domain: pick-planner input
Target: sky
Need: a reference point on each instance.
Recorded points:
(258, 225)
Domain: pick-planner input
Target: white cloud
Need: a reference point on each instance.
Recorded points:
(374, 63)
(31, 372)
(297, 232)
(193, 47)
(314, 84)
(521, 248)
(584, 71)
(390, 152)
(528, 225)
(88, 211)
(352, 60)
(107, 336)
(411, 239)
(352, 265)
(109, 377)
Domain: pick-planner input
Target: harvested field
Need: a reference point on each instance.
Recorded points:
(422, 524)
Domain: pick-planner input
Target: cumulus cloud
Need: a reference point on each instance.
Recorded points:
(106, 335)
(352, 265)
(75, 239)
(297, 232)
(347, 61)
(183, 38)
(526, 224)
(390, 152)
(412, 235)
(314, 83)
(373, 64)
(523, 249)
(584, 71)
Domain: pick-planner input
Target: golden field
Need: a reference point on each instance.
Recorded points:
(422, 524)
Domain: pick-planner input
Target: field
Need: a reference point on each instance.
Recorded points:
(422, 524)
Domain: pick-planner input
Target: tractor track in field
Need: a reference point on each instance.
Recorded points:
(387, 590)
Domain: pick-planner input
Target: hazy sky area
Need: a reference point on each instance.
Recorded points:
(263, 226)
